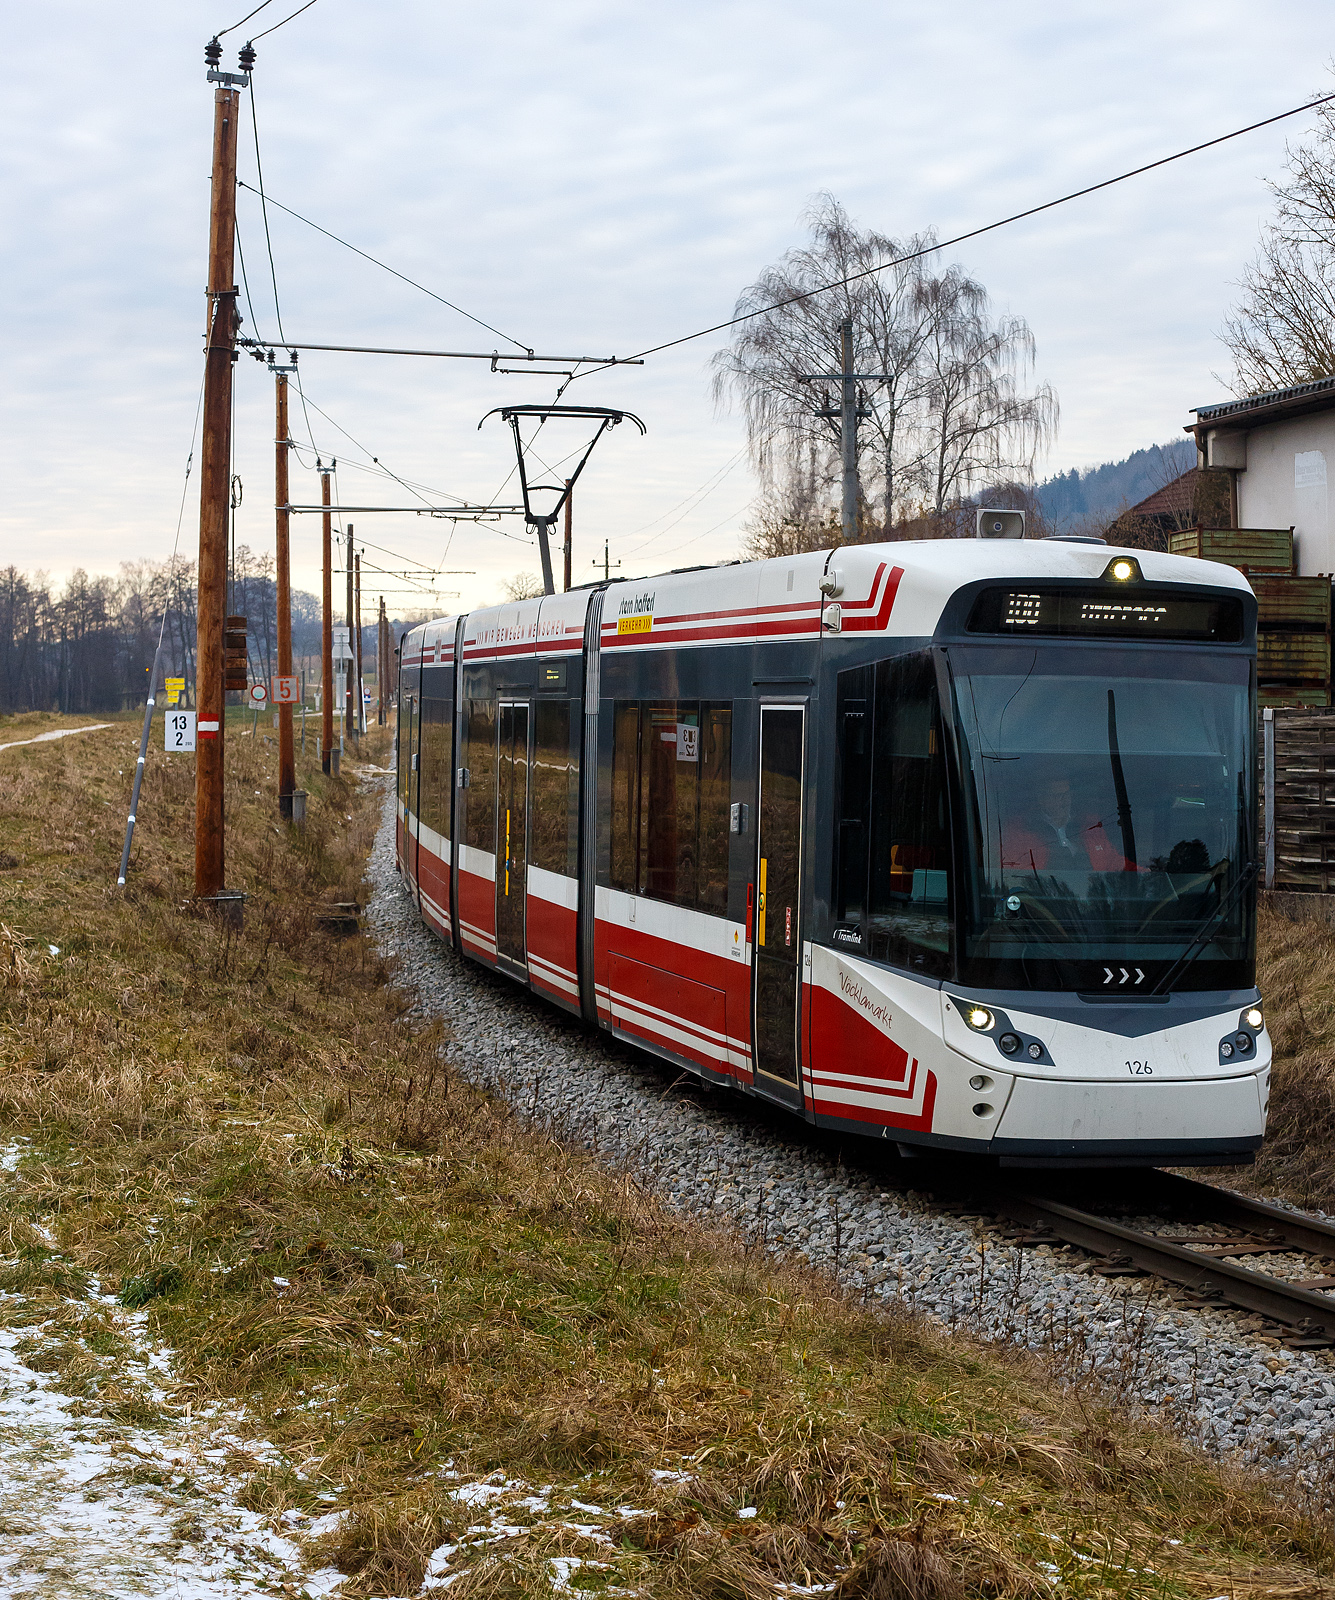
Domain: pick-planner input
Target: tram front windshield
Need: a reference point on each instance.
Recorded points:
(1108, 817)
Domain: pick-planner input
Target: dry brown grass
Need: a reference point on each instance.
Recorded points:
(1296, 973)
(401, 1281)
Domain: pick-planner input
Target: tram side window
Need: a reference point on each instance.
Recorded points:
(435, 763)
(671, 782)
(715, 800)
(853, 710)
(554, 814)
(626, 796)
(480, 759)
(908, 903)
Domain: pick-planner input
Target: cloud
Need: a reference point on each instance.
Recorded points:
(591, 178)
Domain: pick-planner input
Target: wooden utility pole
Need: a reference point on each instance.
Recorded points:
(569, 498)
(382, 661)
(215, 487)
(848, 436)
(327, 639)
(349, 721)
(357, 647)
(287, 760)
(607, 563)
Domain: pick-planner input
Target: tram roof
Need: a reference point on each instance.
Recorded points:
(899, 587)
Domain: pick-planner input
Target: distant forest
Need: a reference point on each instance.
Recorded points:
(1107, 490)
(89, 646)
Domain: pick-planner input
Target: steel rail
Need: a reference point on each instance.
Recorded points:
(1304, 1310)
(1222, 1205)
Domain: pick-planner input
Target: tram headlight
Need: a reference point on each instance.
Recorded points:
(1122, 569)
(979, 1018)
(1255, 1018)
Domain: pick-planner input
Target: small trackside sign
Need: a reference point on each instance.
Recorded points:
(285, 689)
(635, 614)
(180, 730)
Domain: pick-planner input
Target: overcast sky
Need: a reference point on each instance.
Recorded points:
(590, 178)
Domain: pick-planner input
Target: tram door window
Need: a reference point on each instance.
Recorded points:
(778, 945)
(434, 762)
(554, 831)
(479, 798)
(512, 831)
(405, 743)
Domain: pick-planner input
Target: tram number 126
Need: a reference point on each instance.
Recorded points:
(1140, 1069)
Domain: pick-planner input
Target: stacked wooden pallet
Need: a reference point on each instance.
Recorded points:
(1293, 622)
(1299, 788)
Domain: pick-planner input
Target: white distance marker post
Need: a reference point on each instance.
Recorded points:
(180, 731)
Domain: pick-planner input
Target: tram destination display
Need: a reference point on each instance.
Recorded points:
(1107, 613)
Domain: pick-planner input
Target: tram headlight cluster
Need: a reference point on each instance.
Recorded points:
(1255, 1018)
(979, 1018)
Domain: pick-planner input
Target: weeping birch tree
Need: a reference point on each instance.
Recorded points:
(945, 408)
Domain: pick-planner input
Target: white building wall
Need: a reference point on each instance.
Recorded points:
(1287, 482)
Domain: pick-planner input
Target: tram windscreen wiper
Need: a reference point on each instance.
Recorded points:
(1199, 944)
(1119, 785)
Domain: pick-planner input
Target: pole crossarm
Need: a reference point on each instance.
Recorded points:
(464, 513)
(492, 356)
(541, 522)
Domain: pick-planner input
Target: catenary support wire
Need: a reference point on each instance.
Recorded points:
(519, 344)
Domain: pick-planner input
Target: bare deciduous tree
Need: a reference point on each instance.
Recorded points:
(949, 412)
(1283, 333)
(522, 586)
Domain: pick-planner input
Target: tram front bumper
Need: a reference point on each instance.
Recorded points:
(1176, 1121)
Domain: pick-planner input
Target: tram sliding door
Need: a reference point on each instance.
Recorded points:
(777, 965)
(512, 832)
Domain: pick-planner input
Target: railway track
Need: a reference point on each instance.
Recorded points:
(1204, 1240)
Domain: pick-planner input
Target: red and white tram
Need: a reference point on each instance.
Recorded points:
(950, 843)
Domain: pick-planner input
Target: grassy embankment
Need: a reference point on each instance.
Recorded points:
(400, 1281)
(1296, 974)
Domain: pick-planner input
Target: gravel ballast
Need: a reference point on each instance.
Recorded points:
(716, 1153)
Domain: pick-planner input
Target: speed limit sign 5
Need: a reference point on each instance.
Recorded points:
(285, 690)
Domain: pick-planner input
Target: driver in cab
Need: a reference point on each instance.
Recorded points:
(1049, 836)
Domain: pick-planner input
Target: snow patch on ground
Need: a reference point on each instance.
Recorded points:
(91, 1506)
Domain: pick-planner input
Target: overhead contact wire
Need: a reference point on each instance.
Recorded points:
(973, 233)
(285, 21)
(244, 20)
